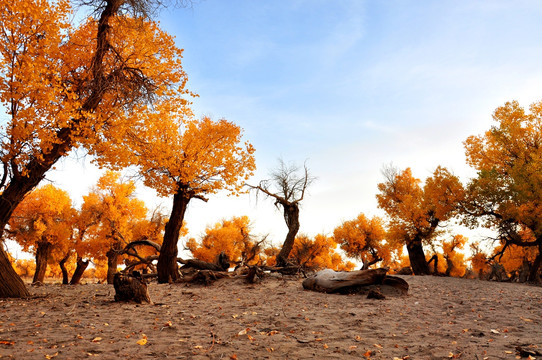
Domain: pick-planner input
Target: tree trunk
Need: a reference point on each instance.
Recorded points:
(62, 264)
(79, 271)
(366, 264)
(291, 215)
(11, 284)
(167, 260)
(534, 276)
(417, 258)
(449, 266)
(112, 262)
(42, 255)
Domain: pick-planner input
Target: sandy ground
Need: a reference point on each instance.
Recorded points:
(276, 319)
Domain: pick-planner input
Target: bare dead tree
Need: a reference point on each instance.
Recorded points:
(287, 185)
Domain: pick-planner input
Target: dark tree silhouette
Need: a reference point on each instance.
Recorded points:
(287, 185)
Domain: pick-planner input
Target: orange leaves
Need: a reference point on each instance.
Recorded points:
(197, 156)
(363, 239)
(506, 193)
(45, 215)
(109, 216)
(143, 340)
(230, 236)
(317, 253)
(415, 212)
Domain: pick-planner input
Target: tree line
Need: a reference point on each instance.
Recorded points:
(113, 85)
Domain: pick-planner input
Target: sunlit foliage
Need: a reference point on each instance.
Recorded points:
(318, 253)
(232, 237)
(507, 193)
(42, 224)
(364, 239)
(415, 212)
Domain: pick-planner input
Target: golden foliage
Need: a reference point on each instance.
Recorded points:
(415, 212)
(365, 239)
(45, 215)
(318, 253)
(229, 236)
(205, 157)
(507, 191)
(110, 217)
(48, 84)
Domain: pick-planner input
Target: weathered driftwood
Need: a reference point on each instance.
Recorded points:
(131, 288)
(330, 281)
(222, 263)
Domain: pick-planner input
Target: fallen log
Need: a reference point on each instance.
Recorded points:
(131, 288)
(222, 263)
(330, 281)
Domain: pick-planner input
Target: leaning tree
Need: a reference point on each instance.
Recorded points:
(64, 86)
(287, 185)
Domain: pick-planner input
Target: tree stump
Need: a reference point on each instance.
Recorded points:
(131, 288)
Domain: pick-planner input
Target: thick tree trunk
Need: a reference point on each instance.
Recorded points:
(417, 258)
(42, 255)
(62, 264)
(534, 276)
(291, 215)
(167, 260)
(112, 262)
(449, 266)
(79, 271)
(11, 284)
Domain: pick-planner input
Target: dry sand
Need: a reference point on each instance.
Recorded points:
(440, 318)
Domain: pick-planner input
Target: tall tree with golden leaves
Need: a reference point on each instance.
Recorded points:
(43, 225)
(506, 195)
(64, 87)
(415, 212)
(189, 159)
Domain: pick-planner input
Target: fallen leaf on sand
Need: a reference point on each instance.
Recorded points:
(51, 356)
(97, 339)
(495, 331)
(243, 332)
(143, 340)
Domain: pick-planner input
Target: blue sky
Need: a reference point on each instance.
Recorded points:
(350, 86)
